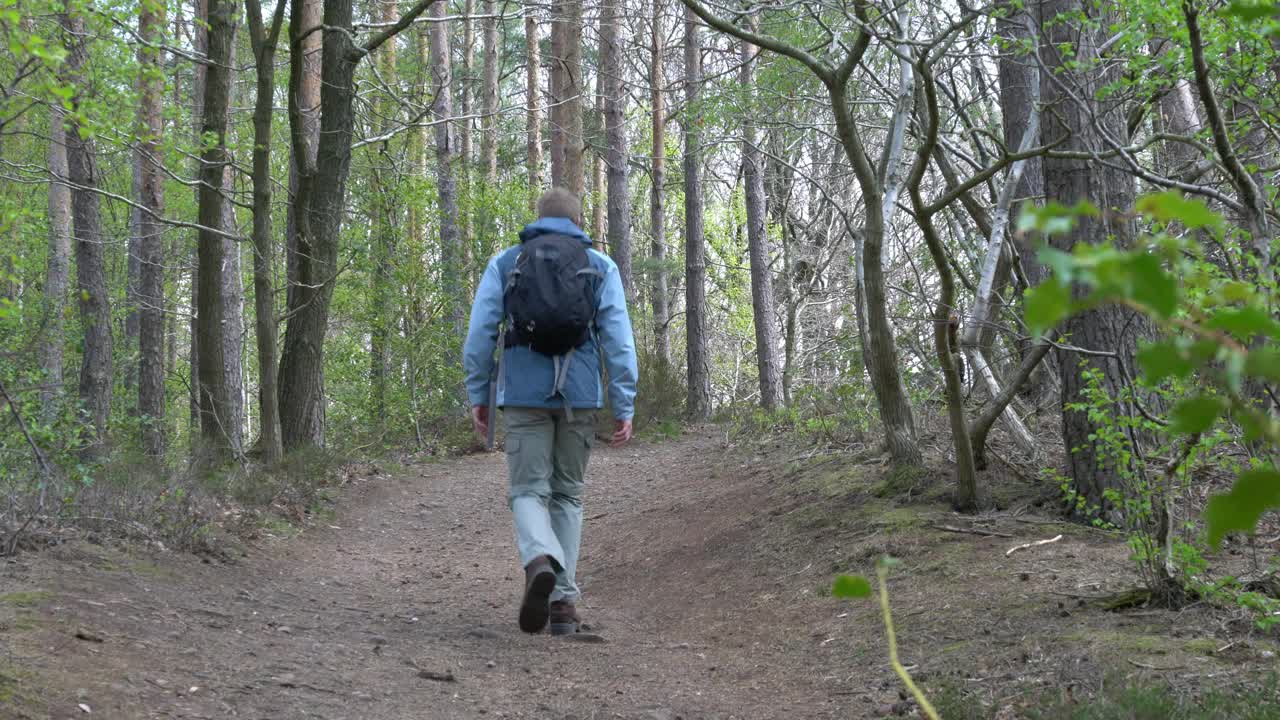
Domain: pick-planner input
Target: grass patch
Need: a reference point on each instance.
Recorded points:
(26, 599)
(1161, 702)
(1120, 700)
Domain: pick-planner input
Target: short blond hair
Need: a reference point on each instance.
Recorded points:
(558, 202)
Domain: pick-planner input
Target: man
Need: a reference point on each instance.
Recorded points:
(550, 394)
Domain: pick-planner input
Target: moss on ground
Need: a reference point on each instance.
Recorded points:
(26, 598)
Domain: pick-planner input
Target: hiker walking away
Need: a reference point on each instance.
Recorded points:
(554, 310)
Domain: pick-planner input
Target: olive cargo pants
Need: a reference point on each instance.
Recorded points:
(547, 457)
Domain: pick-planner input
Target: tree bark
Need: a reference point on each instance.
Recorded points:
(1077, 122)
(763, 310)
(451, 251)
(150, 295)
(489, 101)
(91, 276)
(219, 419)
(598, 176)
(264, 41)
(58, 267)
(617, 155)
(386, 221)
(128, 344)
(966, 495)
(533, 99)
(466, 82)
(567, 90)
(698, 405)
(309, 15)
(1019, 79)
(657, 205)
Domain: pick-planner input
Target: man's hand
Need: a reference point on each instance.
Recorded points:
(621, 433)
(480, 421)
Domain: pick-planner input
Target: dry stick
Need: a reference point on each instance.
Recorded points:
(1024, 546)
(971, 531)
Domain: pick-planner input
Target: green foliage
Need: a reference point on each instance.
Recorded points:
(851, 587)
(1218, 330)
(1122, 700)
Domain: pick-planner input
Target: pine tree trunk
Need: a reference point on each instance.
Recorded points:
(321, 207)
(567, 169)
(598, 178)
(58, 267)
(386, 221)
(1068, 181)
(307, 14)
(219, 421)
(489, 101)
(264, 304)
(466, 86)
(698, 405)
(657, 206)
(451, 253)
(758, 245)
(199, 73)
(150, 296)
(91, 276)
(617, 155)
(128, 345)
(533, 99)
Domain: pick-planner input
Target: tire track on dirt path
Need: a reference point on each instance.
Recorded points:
(404, 606)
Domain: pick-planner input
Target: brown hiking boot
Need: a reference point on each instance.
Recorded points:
(539, 582)
(564, 618)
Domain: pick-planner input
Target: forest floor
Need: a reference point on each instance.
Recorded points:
(705, 571)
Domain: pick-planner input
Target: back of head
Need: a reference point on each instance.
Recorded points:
(558, 202)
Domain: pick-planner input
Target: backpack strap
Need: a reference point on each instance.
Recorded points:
(561, 365)
(493, 383)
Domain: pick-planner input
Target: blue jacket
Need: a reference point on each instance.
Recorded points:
(528, 376)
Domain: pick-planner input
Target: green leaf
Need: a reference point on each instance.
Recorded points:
(1254, 493)
(851, 586)
(1195, 414)
(1171, 206)
(1153, 286)
(1054, 218)
(1245, 322)
(1163, 360)
(1263, 363)
(1062, 264)
(1046, 305)
(1251, 11)
(1236, 291)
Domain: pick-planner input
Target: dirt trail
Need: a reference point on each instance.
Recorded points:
(415, 579)
(704, 571)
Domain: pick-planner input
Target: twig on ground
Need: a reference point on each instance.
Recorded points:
(1024, 546)
(971, 531)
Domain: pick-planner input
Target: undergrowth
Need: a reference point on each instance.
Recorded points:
(1121, 699)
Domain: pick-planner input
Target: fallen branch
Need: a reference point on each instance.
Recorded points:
(971, 531)
(1024, 546)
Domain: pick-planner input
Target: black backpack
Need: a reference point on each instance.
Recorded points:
(551, 296)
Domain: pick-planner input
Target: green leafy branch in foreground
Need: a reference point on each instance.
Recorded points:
(1215, 327)
(856, 586)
